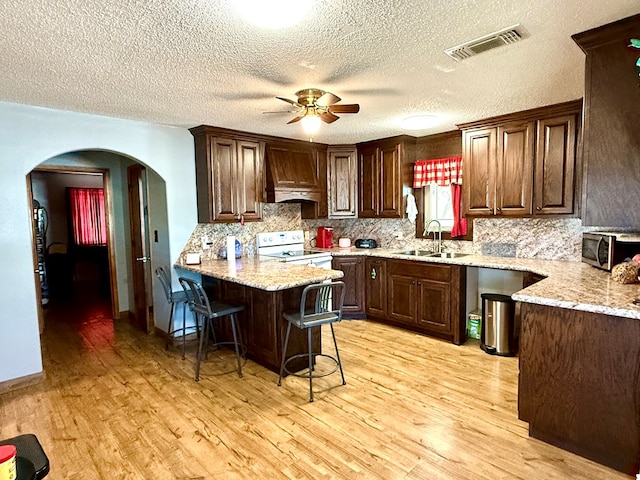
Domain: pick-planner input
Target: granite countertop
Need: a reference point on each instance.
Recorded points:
(267, 275)
(572, 285)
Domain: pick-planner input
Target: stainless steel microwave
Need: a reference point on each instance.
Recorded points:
(606, 249)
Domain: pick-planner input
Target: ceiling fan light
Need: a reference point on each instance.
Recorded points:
(273, 14)
(310, 123)
(419, 122)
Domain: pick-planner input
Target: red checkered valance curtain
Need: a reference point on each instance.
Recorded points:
(88, 216)
(441, 171)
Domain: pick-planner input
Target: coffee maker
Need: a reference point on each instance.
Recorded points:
(324, 238)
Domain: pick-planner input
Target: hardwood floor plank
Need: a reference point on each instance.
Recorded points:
(116, 404)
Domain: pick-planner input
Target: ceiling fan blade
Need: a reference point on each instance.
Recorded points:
(327, 99)
(328, 117)
(348, 108)
(288, 112)
(292, 102)
(297, 119)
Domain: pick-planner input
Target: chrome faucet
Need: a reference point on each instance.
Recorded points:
(437, 243)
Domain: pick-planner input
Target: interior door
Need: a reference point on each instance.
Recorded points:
(140, 258)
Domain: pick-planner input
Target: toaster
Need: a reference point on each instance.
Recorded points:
(366, 243)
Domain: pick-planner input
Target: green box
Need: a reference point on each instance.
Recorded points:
(474, 323)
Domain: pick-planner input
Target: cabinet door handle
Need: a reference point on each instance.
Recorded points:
(538, 208)
(373, 273)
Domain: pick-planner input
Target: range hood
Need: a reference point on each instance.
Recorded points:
(294, 174)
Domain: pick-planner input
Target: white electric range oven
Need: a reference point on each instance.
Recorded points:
(288, 247)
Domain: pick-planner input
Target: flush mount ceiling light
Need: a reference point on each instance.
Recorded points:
(419, 122)
(273, 14)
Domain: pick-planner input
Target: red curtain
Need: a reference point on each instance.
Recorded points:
(443, 172)
(459, 222)
(88, 216)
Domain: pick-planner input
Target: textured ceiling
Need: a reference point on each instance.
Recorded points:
(192, 62)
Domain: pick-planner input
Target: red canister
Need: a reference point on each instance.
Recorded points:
(7, 462)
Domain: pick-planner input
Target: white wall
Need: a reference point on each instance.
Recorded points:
(503, 282)
(30, 136)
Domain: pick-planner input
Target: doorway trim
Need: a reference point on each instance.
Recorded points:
(108, 205)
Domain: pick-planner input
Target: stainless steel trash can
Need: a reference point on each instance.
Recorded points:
(497, 335)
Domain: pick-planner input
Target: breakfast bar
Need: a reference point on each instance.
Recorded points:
(266, 289)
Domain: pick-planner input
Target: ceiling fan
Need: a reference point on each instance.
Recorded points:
(314, 105)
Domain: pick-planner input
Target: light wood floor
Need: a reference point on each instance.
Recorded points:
(116, 405)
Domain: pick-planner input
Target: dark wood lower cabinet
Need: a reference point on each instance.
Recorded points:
(425, 297)
(375, 281)
(402, 298)
(434, 308)
(262, 325)
(353, 268)
(579, 383)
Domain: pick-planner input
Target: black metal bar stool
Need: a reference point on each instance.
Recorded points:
(327, 310)
(209, 311)
(172, 297)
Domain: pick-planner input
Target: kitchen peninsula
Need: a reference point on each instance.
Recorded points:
(266, 288)
(579, 358)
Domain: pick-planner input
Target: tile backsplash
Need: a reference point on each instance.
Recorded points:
(556, 239)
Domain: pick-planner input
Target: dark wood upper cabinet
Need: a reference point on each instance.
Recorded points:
(237, 171)
(479, 153)
(382, 176)
(367, 181)
(342, 187)
(555, 165)
(229, 176)
(522, 164)
(611, 140)
(514, 182)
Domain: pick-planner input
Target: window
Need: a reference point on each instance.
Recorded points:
(441, 181)
(438, 205)
(88, 219)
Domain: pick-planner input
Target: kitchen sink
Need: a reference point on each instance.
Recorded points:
(417, 253)
(447, 255)
(430, 253)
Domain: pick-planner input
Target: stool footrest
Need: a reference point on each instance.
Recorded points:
(212, 347)
(313, 375)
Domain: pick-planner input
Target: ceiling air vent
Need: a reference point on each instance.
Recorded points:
(496, 39)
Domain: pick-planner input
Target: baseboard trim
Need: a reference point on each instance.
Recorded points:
(22, 382)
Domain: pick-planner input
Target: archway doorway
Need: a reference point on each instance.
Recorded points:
(102, 277)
